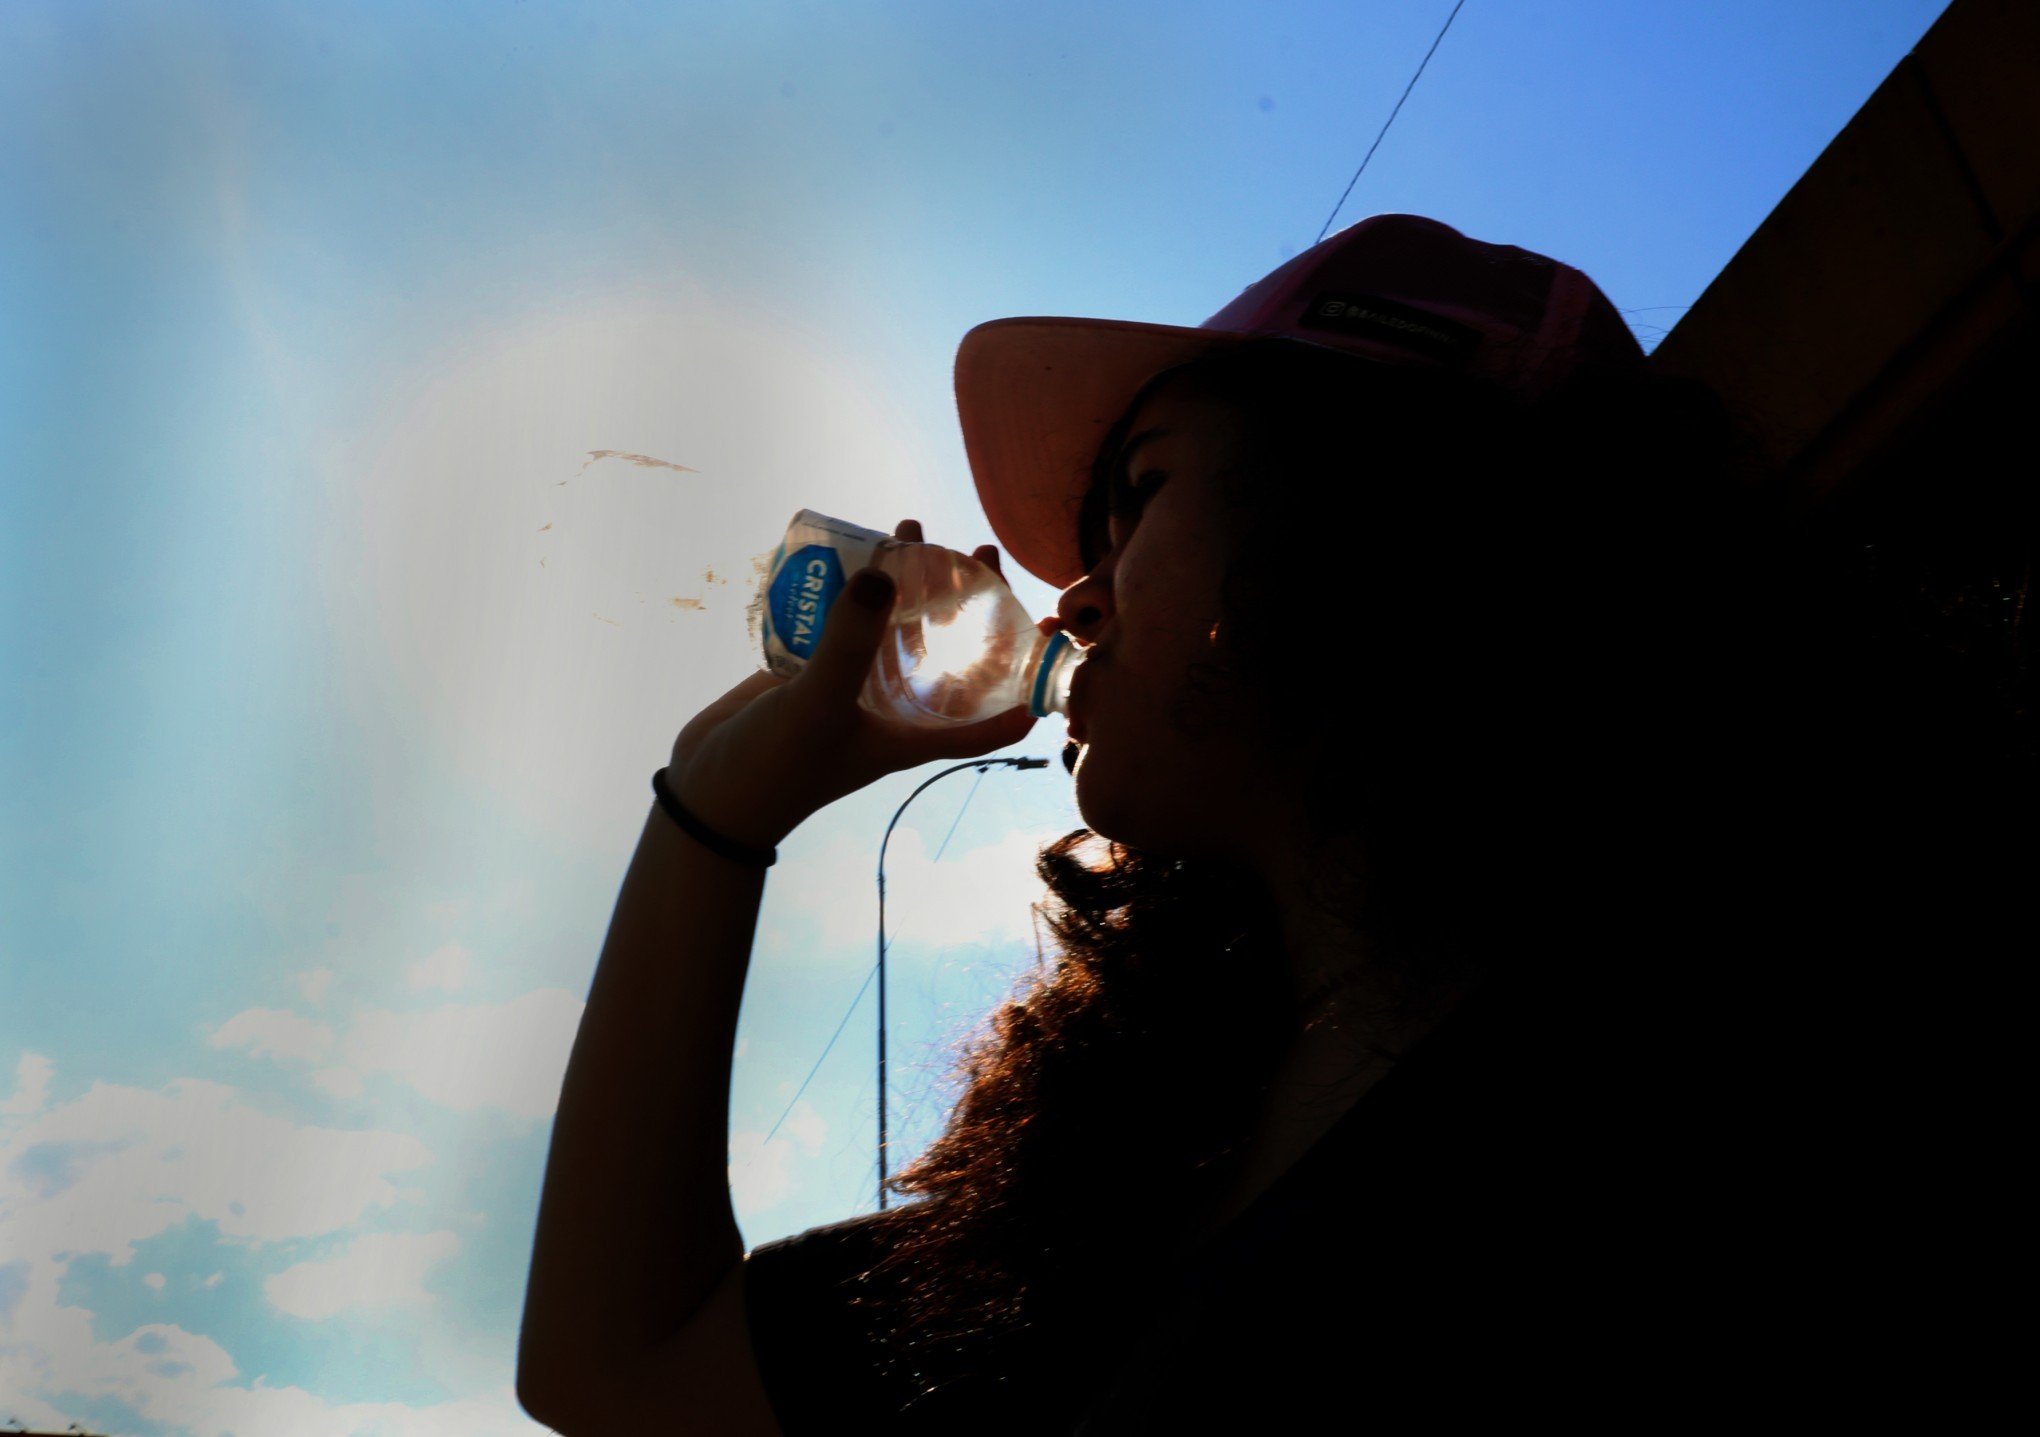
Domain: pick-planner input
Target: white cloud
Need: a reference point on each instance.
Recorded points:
(272, 1033)
(805, 1126)
(446, 969)
(315, 985)
(175, 1378)
(31, 1085)
(340, 1082)
(980, 895)
(117, 1165)
(156, 1366)
(761, 1173)
(377, 1270)
(509, 1055)
(502, 1055)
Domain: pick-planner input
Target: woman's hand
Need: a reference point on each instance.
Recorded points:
(771, 751)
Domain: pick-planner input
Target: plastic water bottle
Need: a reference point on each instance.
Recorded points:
(960, 647)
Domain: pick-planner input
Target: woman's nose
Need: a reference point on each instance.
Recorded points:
(1085, 607)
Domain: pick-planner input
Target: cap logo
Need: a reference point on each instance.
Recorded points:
(1390, 323)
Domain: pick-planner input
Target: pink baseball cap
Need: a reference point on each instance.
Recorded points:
(1036, 395)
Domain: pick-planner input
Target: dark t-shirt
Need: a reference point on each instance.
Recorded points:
(1464, 1242)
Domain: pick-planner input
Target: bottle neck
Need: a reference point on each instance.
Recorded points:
(1053, 664)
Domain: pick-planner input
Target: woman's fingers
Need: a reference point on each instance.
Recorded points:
(908, 531)
(988, 555)
(851, 635)
(971, 739)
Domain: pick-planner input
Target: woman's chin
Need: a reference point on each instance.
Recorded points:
(1165, 812)
(1109, 811)
(1095, 801)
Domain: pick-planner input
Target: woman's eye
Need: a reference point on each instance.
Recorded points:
(1131, 492)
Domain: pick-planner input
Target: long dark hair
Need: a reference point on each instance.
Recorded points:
(1450, 599)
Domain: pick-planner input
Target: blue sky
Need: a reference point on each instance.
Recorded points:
(335, 668)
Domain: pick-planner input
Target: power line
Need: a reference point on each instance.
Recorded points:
(944, 848)
(825, 1052)
(1389, 121)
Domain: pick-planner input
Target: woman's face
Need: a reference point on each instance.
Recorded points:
(1166, 764)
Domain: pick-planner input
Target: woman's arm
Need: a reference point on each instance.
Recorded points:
(634, 1310)
(635, 1227)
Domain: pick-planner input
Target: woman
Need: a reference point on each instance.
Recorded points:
(1415, 615)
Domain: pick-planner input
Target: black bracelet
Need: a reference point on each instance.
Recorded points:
(706, 836)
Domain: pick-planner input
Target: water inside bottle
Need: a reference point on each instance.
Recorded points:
(953, 649)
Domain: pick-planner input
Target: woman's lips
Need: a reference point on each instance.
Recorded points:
(1079, 682)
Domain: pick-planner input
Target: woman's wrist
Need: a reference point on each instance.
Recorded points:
(748, 854)
(741, 819)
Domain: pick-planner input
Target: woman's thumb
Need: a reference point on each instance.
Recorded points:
(851, 632)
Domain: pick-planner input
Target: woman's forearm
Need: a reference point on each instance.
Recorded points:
(635, 1226)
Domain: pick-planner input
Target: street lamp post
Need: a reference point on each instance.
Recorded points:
(981, 765)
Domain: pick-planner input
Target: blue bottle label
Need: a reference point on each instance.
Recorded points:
(808, 581)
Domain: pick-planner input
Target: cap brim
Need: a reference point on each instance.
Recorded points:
(1035, 397)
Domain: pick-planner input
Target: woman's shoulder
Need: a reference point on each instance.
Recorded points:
(847, 1253)
(866, 1230)
(817, 1335)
